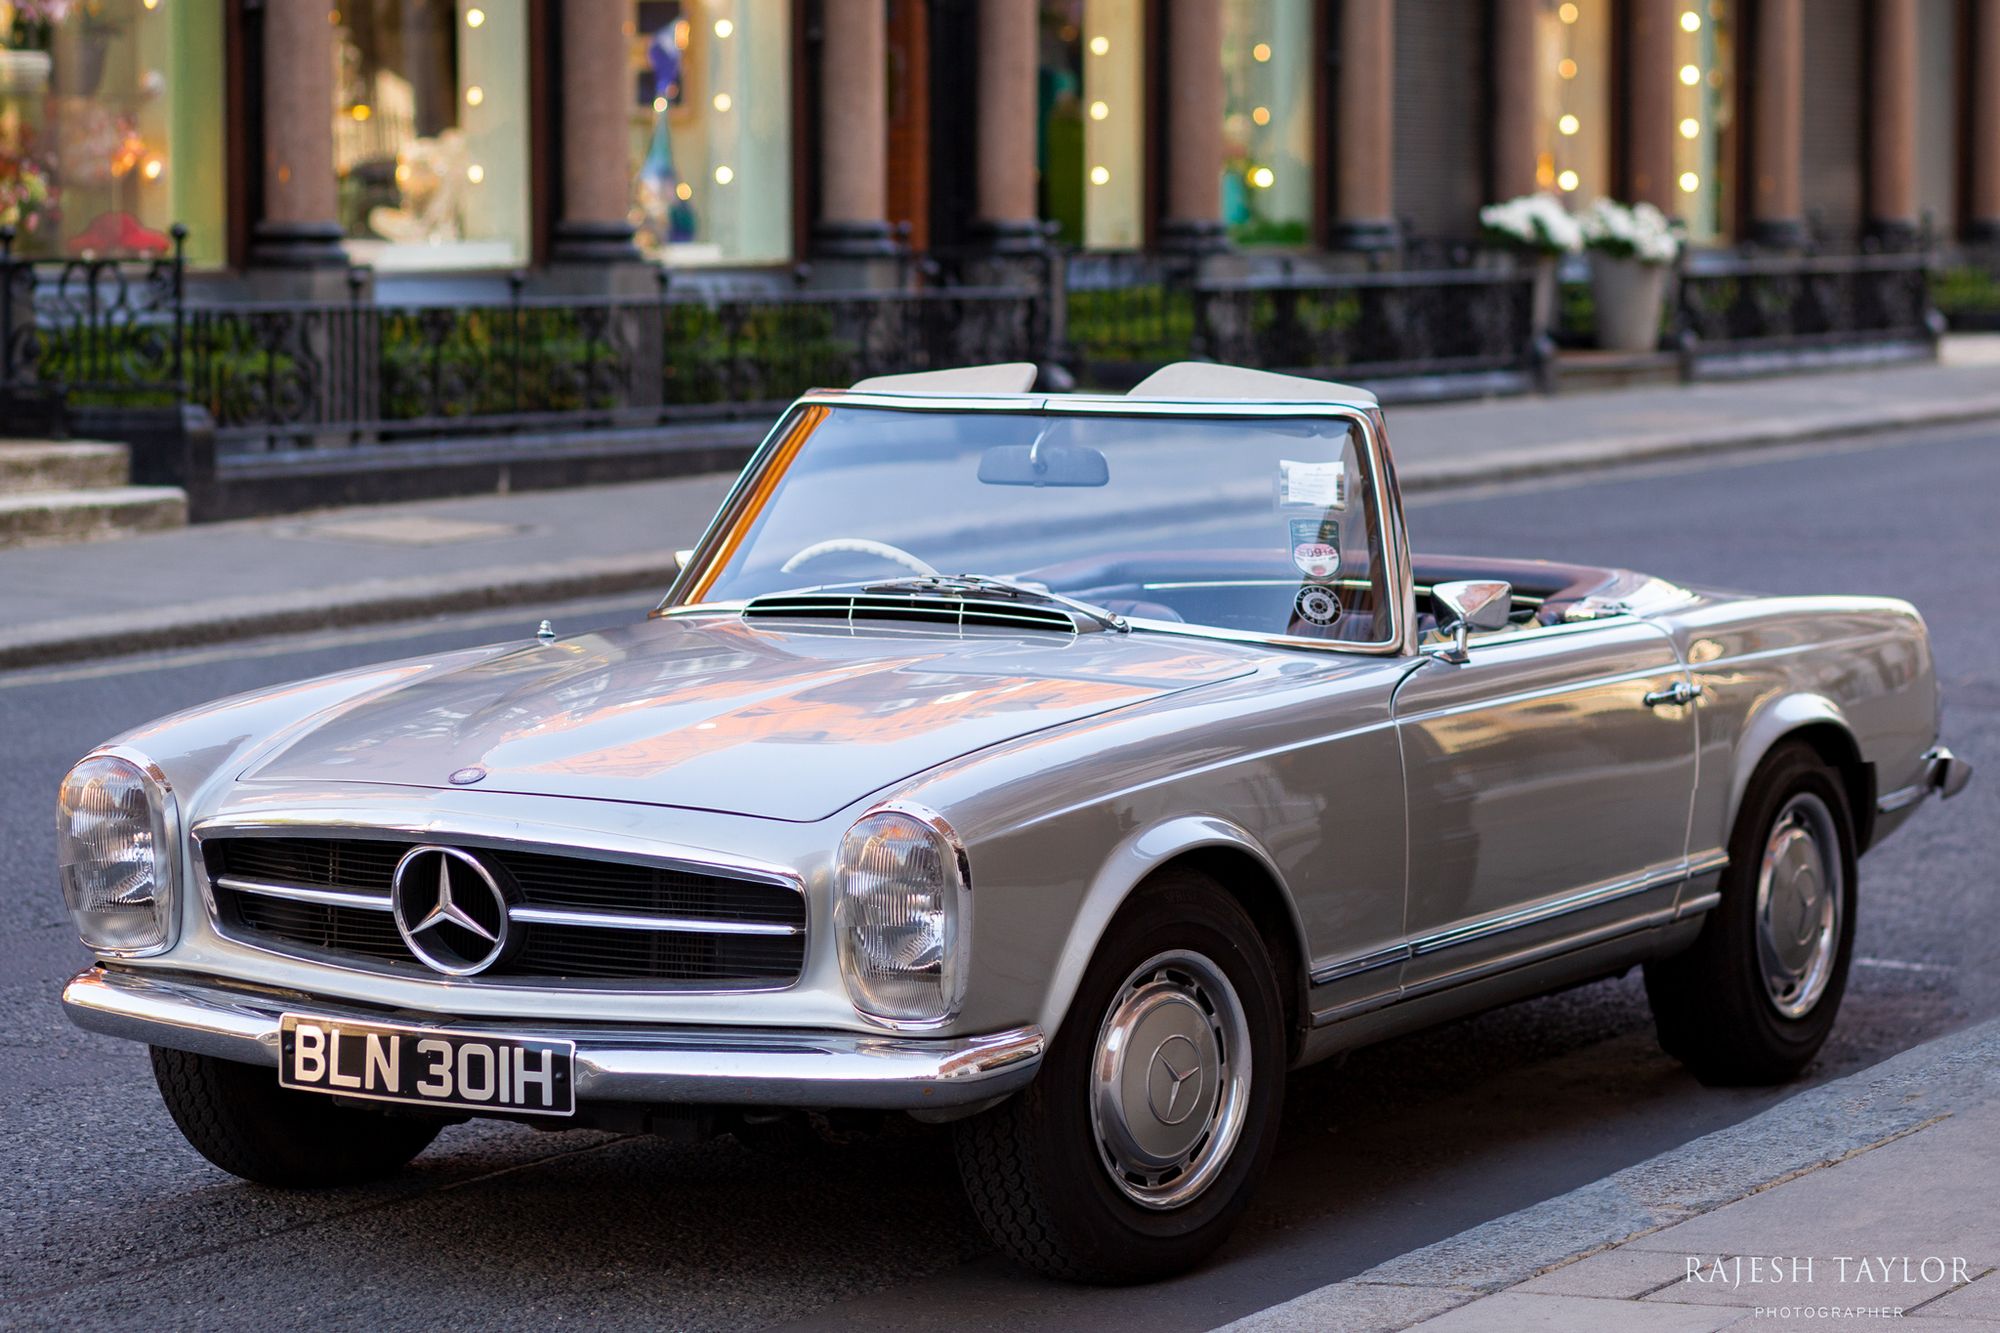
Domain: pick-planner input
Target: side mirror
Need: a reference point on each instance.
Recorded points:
(1468, 605)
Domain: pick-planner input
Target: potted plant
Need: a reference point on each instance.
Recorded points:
(1538, 226)
(1632, 249)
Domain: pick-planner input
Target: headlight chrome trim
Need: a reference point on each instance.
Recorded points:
(961, 893)
(167, 858)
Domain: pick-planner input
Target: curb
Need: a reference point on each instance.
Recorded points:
(366, 603)
(377, 601)
(1523, 464)
(1819, 1127)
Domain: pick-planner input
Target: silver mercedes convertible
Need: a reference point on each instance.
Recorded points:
(1063, 767)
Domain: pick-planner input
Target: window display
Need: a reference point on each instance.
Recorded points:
(711, 130)
(1091, 134)
(111, 126)
(1267, 177)
(1704, 117)
(1573, 113)
(430, 131)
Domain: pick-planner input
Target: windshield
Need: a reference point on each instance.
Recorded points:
(1260, 524)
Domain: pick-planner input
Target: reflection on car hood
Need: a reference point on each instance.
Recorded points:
(785, 722)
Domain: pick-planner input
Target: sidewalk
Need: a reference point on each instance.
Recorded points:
(1871, 1198)
(221, 581)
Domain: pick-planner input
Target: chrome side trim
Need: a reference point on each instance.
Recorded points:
(1697, 905)
(301, 893)
(1709, 861)
(571, 916)
(700, 1066)
(1581, 900)
(1341, 969)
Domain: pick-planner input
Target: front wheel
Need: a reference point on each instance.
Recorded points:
(238, 1117)
(1133, 1153)
(1752, 1001)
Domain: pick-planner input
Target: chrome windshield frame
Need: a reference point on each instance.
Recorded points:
(1400, 597)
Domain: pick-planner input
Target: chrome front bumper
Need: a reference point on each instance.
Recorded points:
(1944, 773)
(699, 1066)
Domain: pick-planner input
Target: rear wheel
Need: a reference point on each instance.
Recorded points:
(238, 1117)
(1137, 1147)
(1753, 1000)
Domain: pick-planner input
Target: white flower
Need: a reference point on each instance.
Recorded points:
(1640, 232)
(1534, 221)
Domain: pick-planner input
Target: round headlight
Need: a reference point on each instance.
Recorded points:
(902, 913)
(114, 855)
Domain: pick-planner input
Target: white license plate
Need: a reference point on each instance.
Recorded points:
(471, 1071)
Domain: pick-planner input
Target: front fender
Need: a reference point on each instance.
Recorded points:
(1128, 866)
(1770, 723)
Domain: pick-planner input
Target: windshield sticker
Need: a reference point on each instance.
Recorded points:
(1316, 546)
(1313, 485)
(1317, 605)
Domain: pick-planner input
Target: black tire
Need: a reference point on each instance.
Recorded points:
(1711, 1005)
(238, 1117)
(1034, 1170)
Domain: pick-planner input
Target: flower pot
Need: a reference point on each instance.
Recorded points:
(1629, 296)
(1543, 316)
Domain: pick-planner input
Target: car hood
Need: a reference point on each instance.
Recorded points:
(790, 722)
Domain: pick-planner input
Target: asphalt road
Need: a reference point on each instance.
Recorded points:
(108, 1219)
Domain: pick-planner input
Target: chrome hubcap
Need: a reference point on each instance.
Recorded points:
(1799, 895)
(1170, 1083)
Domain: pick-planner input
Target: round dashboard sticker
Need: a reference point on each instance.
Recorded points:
(1317, 606)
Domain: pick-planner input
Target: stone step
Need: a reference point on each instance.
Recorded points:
(38, 518)
(61, 465)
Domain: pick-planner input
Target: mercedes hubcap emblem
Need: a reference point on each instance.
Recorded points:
(1173, 1083)
(450, 909)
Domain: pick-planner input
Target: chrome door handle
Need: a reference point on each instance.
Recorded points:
(1680, 692)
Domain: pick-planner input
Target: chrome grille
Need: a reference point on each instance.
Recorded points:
(582, 919)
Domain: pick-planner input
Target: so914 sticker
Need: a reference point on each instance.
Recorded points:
(1316, 547)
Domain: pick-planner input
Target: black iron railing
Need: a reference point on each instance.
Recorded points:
(1787, 302)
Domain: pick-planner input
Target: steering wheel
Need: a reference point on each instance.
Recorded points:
(860, 545)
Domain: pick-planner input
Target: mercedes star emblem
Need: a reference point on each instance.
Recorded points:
(450, 909)
(1176, 1073)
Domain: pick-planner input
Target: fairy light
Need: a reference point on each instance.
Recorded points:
(722, 102)
(1261, 52)
(475, 95)
(361, 111)
(1690, 75)
(1566, 67)
(474, 17)
(1690, 128)
(659, 104)
(1568, 181)
(1569, 124)
(152, 169)
(1100, 46)
(723, 27)
(1690, 21)
(1099, 110)
(1263, 178)
(684, 191)
(1689, 182)
(724, 174)
(1100, 175)
(476, 174)
(1567, 13)
(1262, 115)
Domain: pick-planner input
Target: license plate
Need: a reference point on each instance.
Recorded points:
(470, 1071)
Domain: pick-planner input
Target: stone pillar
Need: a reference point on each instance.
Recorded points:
(1982, 224)
(1516, 82)
(1191, 205)
(299, 225)
(593, 225)
(854, 132)
(1892, 128)
(1777, 216)
(1009, 64)
(1649, 103)
(1364, 128)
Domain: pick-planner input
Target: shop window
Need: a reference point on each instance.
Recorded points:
(1704, 118)
(711, 130)
(1573, 112)
(1091, 132)
(1267, 66)
(430, 124)
(111, 126)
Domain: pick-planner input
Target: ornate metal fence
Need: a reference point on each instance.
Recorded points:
(1737, 303)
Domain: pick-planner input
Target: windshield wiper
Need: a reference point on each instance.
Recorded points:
(987, 583)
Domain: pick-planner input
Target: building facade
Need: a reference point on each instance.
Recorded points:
(449, 139)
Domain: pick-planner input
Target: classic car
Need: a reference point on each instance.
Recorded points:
(1065, 767)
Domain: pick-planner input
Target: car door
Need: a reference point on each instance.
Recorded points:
(1549, 782)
